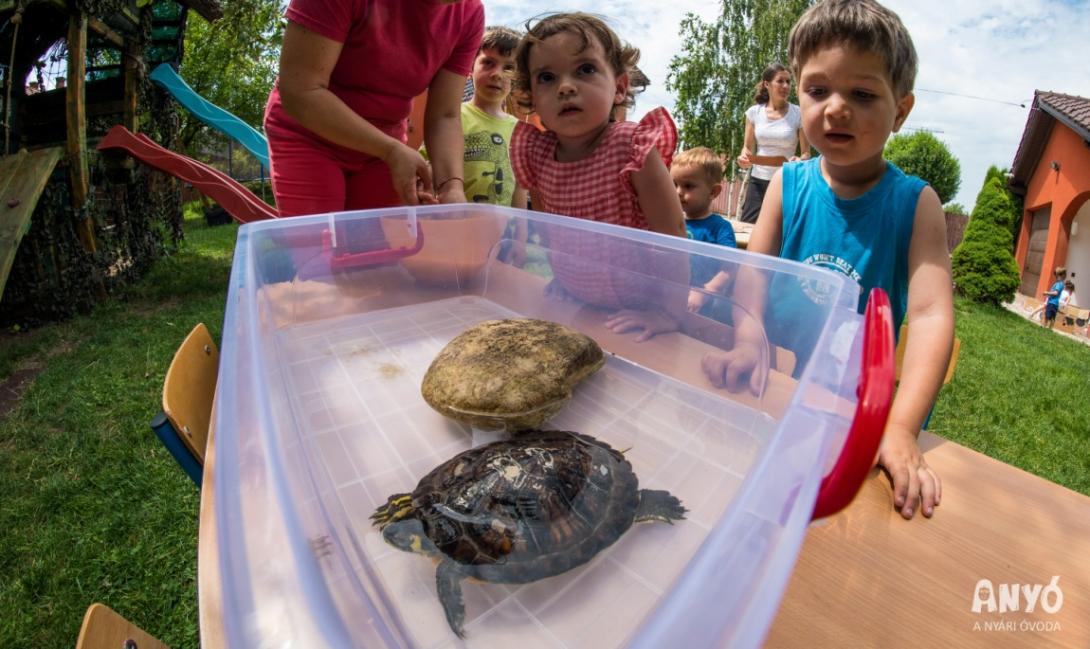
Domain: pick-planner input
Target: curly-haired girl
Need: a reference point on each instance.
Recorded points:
(573, 70)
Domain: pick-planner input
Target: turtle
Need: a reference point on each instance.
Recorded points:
(511, 374)
(518, 510)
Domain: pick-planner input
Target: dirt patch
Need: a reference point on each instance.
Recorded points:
(149, 308)
(13, 387)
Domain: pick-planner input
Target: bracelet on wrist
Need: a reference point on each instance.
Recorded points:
(439, 187)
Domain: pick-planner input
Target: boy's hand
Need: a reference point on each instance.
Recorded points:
(916, 486)
(554, 290)
(652, 322)
(696, 301)
(740, 366)
(517, 255)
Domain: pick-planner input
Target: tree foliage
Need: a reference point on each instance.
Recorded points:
(1001, 175)
(925, 156)
(722, 60)
(983, 266)
(231, 63)
(955, 208)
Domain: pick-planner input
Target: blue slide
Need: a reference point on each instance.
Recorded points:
(211, 114)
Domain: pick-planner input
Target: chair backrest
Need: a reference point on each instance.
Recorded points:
(901, 356)
(104, 629)
(189, 388)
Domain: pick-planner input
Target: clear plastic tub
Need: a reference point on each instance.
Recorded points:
(319, 419)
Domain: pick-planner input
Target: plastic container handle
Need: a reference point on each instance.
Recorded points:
(875, 394)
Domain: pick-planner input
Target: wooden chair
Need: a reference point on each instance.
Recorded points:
(104, 629)
(901, 356)
(188, 389)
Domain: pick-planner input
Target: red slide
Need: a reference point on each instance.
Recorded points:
(239, 202)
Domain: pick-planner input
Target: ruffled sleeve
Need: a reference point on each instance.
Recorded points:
(656, 131)
(529, 147)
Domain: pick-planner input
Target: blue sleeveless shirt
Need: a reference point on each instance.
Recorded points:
(865, 238)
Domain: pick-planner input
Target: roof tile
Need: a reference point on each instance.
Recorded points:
(1075, 107)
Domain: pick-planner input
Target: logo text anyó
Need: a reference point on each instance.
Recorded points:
(1050, 597)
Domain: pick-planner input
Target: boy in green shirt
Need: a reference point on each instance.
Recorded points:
(487, 128)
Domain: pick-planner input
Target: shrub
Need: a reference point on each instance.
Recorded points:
(1016, 201)
(983, 266)
(922, 154)
(955, 208)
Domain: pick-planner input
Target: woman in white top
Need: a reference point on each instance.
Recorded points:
(773, 133)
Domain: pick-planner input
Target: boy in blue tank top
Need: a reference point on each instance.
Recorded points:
(849, 210)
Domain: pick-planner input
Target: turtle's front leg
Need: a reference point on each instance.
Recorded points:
(448, 581)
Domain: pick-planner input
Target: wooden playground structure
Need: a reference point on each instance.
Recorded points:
(75, 223)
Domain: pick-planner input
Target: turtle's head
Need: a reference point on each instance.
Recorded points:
(408, 534)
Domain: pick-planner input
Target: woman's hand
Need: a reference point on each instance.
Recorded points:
(452, 191)
(744, 161)
(410, 173)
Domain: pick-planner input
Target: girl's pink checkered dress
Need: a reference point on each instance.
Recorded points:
(602, 271)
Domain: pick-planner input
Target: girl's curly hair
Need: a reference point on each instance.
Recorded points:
(620, 56)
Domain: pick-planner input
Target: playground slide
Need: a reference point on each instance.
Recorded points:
(211, 114)
(239, 202)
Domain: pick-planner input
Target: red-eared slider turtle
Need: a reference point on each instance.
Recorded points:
(509, 374)
(520, 510)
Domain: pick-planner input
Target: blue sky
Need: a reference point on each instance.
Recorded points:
(999, 50)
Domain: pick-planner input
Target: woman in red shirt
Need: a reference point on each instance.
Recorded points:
(336, 117)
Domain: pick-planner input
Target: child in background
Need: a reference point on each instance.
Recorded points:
(1052, 304)
(487, 128)
(573, 70)
(856, 65)
(1069, 292)
(698, 177)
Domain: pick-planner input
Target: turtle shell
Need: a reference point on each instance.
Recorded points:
(509, 374)
(519, 510)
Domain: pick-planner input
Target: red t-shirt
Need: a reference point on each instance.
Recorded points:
(392, 50)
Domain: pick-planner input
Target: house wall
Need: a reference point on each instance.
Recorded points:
(1065, 190)
(1078, 256)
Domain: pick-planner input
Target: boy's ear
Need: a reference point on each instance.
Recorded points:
(717, 188)
(904, 107)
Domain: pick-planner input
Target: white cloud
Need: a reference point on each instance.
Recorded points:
(1001, 50)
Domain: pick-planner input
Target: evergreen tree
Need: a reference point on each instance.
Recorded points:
(984, 268)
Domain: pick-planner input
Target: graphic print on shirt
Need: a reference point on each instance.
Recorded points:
(486, 155)
(821, 292)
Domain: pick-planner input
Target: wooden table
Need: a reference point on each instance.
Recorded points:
(868, 578)
(741, 233)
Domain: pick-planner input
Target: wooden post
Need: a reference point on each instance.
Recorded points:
(77, 123)
(132, 87)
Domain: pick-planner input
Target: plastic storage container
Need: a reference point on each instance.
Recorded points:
(331, 323)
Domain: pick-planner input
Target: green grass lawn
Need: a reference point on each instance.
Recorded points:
(95, 509)
(1020, 394)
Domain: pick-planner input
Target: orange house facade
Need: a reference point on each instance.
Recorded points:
(1051, 172)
